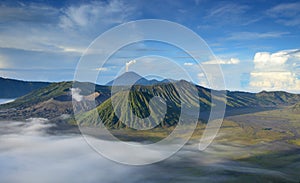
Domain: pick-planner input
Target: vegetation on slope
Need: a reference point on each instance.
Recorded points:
(56, 99)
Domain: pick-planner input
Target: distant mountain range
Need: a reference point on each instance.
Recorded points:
(132, 78)
(11, 88)
(54, 100)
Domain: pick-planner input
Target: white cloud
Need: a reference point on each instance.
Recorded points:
(268, 61)
(32, 27)
(188, 64)
(237, 36)
(211, 77)
(131, 62)
(225, 13)
(201, 75)
(222, 61)
(71, 49)
(76, 94)
(28, 151)
(41, 30)
(275, 81)
(32, 35)
(276, 71)
(28, 13)
(202, 80)
(34, 156)
(286, 13)
(102, 69)
(36, 126)
(3, 62)
(228, 10)
(87, 15)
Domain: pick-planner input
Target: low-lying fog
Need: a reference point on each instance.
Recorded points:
(4, 101)
(30, 155)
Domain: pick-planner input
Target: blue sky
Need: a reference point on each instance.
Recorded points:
(257, 42)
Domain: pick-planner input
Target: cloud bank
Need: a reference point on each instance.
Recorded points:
(222, 61)
(276, 71)
(28, 154)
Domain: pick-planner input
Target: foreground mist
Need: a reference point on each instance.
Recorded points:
(28, 154)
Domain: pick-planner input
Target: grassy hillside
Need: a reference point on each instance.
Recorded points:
(295, 108)
(51, 101)
(41, 95)
(140, 95)
(55, 99)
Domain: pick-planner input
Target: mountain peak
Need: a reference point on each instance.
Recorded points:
(127, 78)
(131, 78)
(130, 73)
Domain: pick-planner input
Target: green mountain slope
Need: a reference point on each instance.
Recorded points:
(295, 108)
(140, 95)
(55, 100)
(51, 101)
